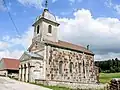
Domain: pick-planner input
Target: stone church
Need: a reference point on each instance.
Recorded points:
(50, 60)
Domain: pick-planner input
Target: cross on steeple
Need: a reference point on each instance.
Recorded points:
(46, 4)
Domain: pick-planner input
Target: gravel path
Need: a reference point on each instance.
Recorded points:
(10, 84)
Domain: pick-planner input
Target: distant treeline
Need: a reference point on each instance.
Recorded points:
(108, 66)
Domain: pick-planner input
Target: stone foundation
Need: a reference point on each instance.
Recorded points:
(75, 85)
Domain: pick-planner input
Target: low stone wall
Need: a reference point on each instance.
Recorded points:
(115, 84)
(13, 75)
(76, 85)
(3, 73)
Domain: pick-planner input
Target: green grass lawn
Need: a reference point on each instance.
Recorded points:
(106, 77)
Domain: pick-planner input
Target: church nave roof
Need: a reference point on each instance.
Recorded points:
(71, 46)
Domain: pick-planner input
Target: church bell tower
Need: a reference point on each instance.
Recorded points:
(45, 27)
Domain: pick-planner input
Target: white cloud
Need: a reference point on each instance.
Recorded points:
(11, 54)
(6, 38)
(2, 7)
(8, 43)
(102, 34)
(116, 7)
(25, 40)
(73, 1)
(109, 3)
(34, 3)
(3, 45)
(108, 56)
(53, 1)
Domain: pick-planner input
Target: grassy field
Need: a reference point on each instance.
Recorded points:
(106, 77)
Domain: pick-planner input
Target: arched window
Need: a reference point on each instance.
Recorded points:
(83, 67)
(79, 67)
(60, 67)
(71, 67)
(49, 29)
(38, 27)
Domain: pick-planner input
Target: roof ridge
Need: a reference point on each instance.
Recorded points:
(11, 58)
(73, 44)
(69, 45)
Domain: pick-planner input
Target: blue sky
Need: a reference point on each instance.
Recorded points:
(24, 15)
(24, 12)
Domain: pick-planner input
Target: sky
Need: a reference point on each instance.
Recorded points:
(83, 22)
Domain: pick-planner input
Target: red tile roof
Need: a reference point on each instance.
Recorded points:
(11, 64)
(68, 45)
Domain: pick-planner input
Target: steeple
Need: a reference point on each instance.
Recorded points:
(45, 26)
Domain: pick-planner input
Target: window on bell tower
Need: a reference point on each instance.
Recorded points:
(38, 27)
(50, 29)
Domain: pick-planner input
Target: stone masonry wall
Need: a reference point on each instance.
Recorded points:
(74, 67)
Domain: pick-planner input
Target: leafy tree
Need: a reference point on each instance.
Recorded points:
(109, 66)
(112, 70)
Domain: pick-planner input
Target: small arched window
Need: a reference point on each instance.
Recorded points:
(71, 67)
(84, 68)
(79, 67)
(50, 29)
(60, 67)
(38, 27)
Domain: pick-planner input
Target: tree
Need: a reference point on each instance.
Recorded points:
(109, 66)
(112, 70)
